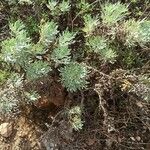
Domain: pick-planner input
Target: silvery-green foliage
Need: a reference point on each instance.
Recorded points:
(13, 48)
(64, 6)
(145, 31)
(75, 114)
(25, 1)
(37, 69)
(38, 49)
(3, 76)
(32, 96)
(132, 29)
(10, 95)
(58, 8)
(17, 28)
(10, 2)
(9, 51)
(52, 5)
(66, 38)
(8, 101)
(112, 13)
(16, 81)
(96, 43)
(90, 24)
(84, 6)
(73, 76)
(108, 55)
(48, 32)
(19, 33)
(137, 32)
(61, 55)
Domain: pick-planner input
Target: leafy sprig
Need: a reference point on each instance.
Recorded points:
(73, 76)
(112, 13)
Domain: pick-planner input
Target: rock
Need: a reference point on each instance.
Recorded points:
(6, 129)
(138, 138)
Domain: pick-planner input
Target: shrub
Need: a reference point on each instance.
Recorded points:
(83, 37)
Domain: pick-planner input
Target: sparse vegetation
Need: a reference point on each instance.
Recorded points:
(95, 54)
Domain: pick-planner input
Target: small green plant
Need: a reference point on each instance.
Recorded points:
(98, 45)
(61, 55)
(64, 6)
(10, 95)
(112, 13)
(84, 6)
(132, 29)
(15, 47)
(66, 38)
(145, 31)
(137, 32)
(37, 69)
(48, 32)
(90, 24)
(73, 76)
(25, 1)
(38, 49)
(57, 8)
(75, 118)
(3, 76)
(32, 96)
(71, 39)
(17, 28)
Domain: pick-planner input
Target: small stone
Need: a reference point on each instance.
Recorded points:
(6, 129)
(138, 138)
(132, 138)
(139, 104)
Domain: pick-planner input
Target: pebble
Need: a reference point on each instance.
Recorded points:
(6, 129)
